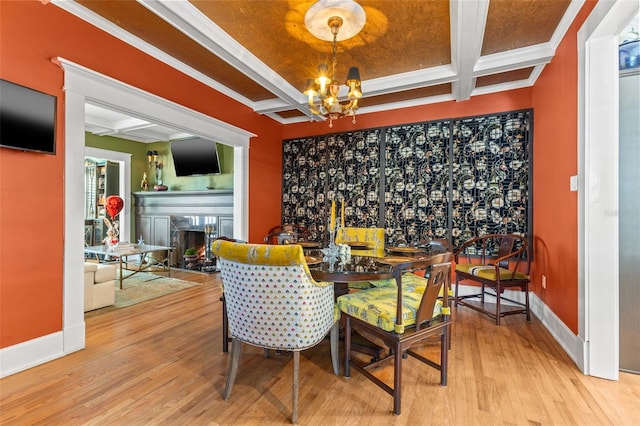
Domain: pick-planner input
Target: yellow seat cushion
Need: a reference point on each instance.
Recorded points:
(488, 272)
(377, 306)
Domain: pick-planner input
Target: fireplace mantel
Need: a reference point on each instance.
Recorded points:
(183, 203)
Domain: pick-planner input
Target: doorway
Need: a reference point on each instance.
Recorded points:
(629, 224)
(123, 186)
(82, 85)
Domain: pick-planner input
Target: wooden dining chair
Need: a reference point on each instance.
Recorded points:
(400, 316)
(273, 302)
(434, 245)
(498, 262)
(287, 233)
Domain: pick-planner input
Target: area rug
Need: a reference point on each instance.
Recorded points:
(142, 286)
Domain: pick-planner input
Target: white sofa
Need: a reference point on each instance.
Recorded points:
(99, 285)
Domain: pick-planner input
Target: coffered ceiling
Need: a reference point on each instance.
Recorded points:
(409, 52)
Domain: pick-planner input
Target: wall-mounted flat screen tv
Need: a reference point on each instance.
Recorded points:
(196, 156)
(27, 119)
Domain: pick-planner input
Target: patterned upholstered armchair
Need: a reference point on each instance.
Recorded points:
(273, 302)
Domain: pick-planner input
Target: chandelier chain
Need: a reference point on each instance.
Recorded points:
(335, 58)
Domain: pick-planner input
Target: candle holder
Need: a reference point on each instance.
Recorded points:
(209, 237)
(335, 252)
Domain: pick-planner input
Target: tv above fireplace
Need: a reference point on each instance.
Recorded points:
(196, 156)
(27, 119)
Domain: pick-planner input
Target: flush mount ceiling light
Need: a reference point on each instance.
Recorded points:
(334, 20)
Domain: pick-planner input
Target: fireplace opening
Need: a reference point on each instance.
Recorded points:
(198, 232)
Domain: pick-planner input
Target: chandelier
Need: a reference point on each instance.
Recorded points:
(323, 91)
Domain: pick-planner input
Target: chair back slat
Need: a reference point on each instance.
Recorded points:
(506, 247)
(437, 270)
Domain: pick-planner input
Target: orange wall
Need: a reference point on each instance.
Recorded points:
(555, 159)
(31, 185)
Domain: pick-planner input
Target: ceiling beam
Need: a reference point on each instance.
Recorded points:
(468, 20)
(187, 19)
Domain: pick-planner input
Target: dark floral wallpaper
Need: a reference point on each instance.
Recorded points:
(453, 178)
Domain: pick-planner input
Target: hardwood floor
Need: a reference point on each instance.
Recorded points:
(160, 362)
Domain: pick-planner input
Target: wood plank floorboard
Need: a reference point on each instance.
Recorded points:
(160, 362)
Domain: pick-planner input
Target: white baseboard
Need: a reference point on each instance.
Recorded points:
(572, 344)
(31, 353)
(22, 356)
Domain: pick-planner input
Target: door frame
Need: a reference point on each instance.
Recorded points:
(82, 84)
(598, 107)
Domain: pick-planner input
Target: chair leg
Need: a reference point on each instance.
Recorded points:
(335, 360)
(347, 346)
(225, 326)
(450, 333)
(397, 379)
(296, 374)
(455, 297)
(444, 354)
(526, 302)
(236, 348)
(498, 304)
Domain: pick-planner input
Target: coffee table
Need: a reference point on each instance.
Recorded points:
(142, 251)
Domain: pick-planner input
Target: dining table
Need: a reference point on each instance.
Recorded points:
(361, 265)
(353, 268)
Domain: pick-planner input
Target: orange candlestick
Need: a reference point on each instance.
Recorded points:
(342, 215)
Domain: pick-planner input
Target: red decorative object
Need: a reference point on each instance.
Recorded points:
(114, 205)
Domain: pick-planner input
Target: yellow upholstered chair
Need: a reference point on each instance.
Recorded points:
(498, 262)
(374, 237)
(401, 315)
(273, 302)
